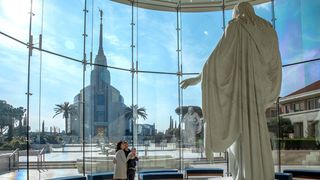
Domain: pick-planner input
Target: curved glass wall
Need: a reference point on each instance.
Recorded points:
(128, 87)
(160, 50)
(296, 31)
(197, 45)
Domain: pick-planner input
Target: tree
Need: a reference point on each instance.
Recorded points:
(20, 131)
(171, 123)
(136, 112)
(8, 117)
(159, 137)
(66, 110)
(172, 131)
(286, 127)
(133, 113)
(4, 116)
(42, 127)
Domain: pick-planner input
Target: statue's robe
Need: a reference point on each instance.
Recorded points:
(241, 78)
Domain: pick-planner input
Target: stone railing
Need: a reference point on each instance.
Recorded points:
(9, 161)
(93, 165)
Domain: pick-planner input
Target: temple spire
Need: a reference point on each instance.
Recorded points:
(100, 72)
(101, 58)
(101, 34)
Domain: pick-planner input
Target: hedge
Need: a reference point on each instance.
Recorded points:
(296, 144)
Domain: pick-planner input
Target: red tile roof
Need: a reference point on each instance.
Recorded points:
(311, 87)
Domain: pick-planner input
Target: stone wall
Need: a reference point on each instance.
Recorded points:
(296, 157)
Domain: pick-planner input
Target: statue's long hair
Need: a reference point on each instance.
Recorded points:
(245, 12)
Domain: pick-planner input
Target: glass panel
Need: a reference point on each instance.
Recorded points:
(13, 124)
(116, 32)
(157, 41)
(273, 126)
(201, 33)
(297, 32)
(299, 121)
(53, 140)
(14, 21)
(193, 131)
(106, 121)
(61, 80)
(158, 134)
(108, 90)
(64, 37)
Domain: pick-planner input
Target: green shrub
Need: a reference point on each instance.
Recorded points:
(6, 147)
(16, 142)
(301, 144)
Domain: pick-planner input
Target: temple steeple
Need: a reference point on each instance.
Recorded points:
(100, 76)
(101, 58)
(101, 34)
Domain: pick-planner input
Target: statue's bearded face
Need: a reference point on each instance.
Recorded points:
(190, 110)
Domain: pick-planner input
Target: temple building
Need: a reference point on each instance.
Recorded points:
(104, 105)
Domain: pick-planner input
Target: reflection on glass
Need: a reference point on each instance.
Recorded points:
(299, 123)
(296, 30)
(296, 132)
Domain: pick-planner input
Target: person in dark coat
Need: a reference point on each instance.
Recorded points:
(132, 162)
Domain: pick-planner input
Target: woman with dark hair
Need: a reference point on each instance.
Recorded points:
(118, 147)
(120, 161)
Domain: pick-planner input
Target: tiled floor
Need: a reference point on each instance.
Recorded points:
(35, 174)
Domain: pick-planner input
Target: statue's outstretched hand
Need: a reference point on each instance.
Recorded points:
(190, 81)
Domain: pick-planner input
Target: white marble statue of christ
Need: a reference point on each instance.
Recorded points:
(240, 79)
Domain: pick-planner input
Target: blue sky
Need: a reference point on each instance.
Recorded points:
(299, 38)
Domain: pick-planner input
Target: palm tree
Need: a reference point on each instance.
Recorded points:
(66, 109)
(133, 113)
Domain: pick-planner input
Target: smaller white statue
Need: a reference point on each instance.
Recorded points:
(193, 127)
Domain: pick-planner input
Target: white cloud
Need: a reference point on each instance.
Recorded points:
(205, 33)
(18, 32)
(118, 60)
(265, 6)
(16, 11)
(69, 44)
(112, 39)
